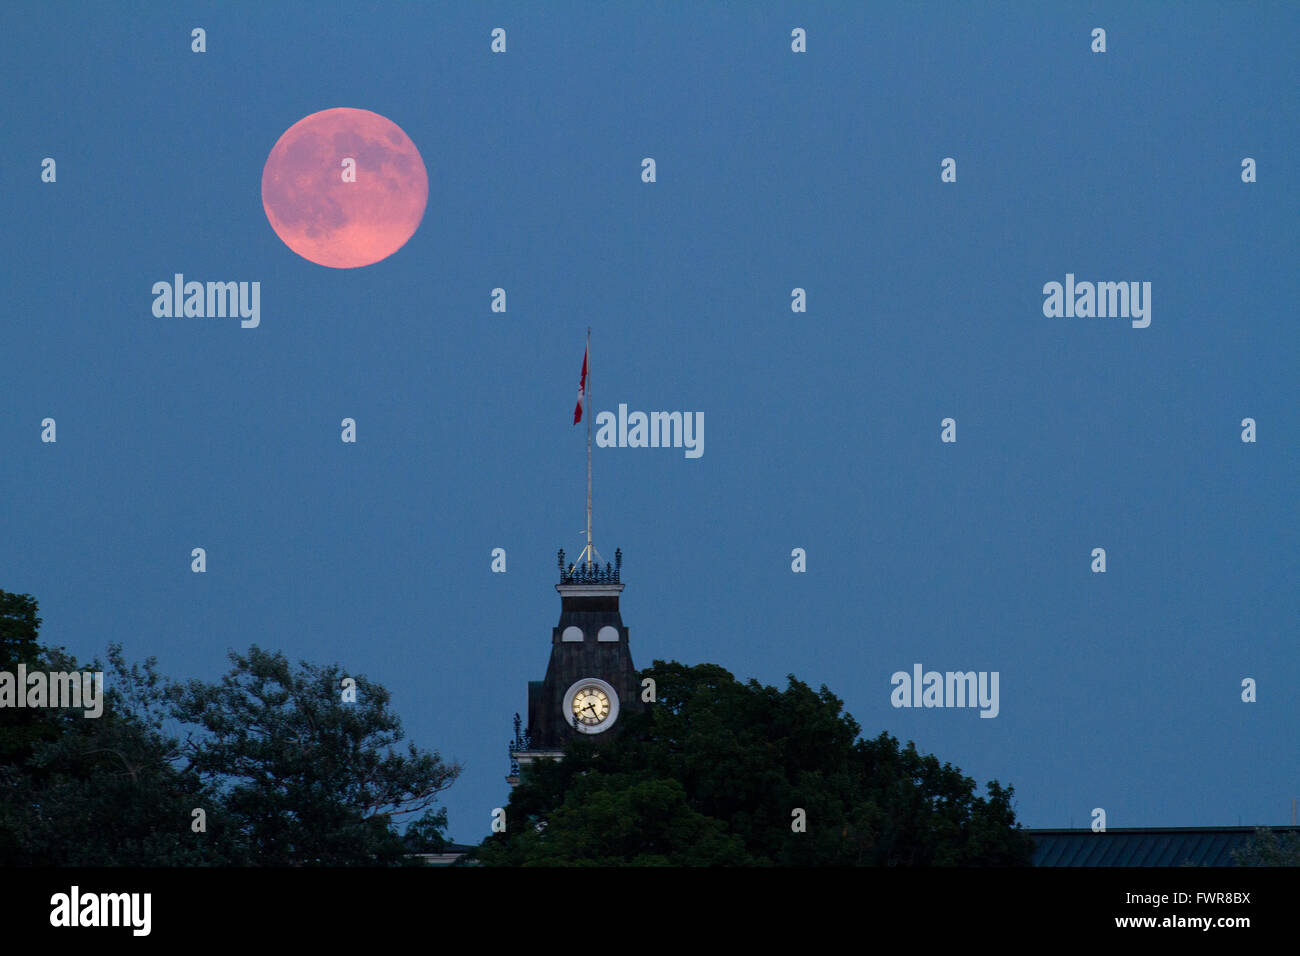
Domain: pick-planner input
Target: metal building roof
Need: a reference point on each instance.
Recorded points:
(1141, 846)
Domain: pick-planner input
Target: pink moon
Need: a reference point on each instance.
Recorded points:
(333, 222)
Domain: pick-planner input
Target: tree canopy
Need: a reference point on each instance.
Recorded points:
(303, 776)
(283, 768)
(1266, 848)
(715, 772)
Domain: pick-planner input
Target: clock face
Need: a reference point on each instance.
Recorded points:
(590, 705)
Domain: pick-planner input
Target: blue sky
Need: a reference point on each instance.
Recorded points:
(821, 171)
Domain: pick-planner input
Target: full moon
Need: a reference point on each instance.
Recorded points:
(338, 213)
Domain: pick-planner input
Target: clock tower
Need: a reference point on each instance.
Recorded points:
(590, 685)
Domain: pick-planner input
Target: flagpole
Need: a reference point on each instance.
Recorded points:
(586, 399)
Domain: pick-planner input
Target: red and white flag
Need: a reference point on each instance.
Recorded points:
(582, 390)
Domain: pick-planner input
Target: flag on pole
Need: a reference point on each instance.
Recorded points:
(582, 388)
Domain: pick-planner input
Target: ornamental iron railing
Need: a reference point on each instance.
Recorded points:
(591, 573)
